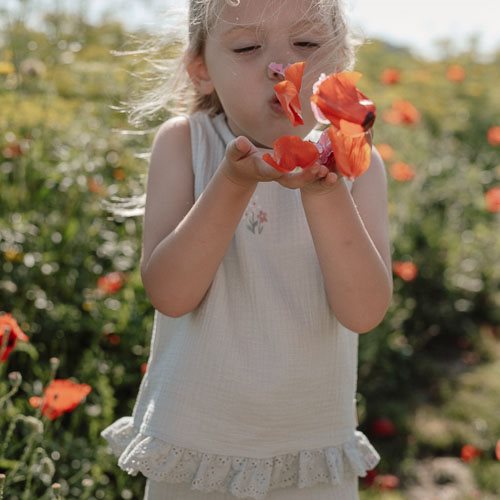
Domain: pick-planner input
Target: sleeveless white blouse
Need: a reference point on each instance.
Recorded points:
(253, 391)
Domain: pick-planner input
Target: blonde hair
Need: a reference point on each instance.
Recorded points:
(169, 90)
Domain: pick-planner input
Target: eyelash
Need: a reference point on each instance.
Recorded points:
(253, 48)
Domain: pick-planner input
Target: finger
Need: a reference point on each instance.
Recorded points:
(330, 179)
(238, 148)
(314, 173)
(298, 179)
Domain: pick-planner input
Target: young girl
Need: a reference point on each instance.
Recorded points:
(261, 280)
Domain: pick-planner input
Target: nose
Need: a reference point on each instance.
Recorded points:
(276, 71)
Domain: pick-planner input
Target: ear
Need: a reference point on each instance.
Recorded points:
(198, 73)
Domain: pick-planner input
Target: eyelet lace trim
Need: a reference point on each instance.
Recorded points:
(243, 477)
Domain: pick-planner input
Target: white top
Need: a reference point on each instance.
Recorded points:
(254, 389)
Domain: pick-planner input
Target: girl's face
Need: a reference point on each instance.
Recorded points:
(238, 51)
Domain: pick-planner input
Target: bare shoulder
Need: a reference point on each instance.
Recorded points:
(169, 193)
(173, 136)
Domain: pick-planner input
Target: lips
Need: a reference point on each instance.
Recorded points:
(276, 105)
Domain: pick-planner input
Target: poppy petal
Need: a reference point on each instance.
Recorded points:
(288, 97)
(294, 74)
(288, 92)
(349, 128)
(291, 152)
(352, 153)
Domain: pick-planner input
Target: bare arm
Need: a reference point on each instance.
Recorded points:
(351, 237)
(184, 242)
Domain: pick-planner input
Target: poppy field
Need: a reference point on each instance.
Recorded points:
(75, 322)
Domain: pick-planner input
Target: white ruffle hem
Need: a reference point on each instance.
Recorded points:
(242, 477)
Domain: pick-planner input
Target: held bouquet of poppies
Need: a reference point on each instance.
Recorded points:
(345, 146)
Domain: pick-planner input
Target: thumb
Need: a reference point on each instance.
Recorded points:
(238, 148)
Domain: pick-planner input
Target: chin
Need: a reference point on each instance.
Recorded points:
(262, 143)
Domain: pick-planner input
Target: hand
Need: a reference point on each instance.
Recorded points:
(243, 164)
(316, 178)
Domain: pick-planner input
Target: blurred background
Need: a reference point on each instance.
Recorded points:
(74, 320)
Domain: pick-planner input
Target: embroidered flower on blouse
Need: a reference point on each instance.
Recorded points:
(255, 217)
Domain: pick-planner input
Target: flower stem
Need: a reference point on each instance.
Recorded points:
(8, 436)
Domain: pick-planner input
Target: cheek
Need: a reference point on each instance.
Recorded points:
(241, 84)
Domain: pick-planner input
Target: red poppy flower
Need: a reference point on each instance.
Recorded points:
(497, 450)
(407, 271)
(469, 453)
(402, 112)
(494, 135)
(291, 152)
(9, 327)
(59, 397)
(352, 153)
(455, 73)
(387, 481)
(336, 100)
(390, 76)
(492, 198)
(111, 282)
(288, 92)
(144, 368)
(370, 477)
(402, 172)
(114, 339)
(383, 427)
(386, 151)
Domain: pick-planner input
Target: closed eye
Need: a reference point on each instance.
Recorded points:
(307, 44)
(246, 49)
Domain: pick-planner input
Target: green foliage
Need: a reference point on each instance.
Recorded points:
(429, 367)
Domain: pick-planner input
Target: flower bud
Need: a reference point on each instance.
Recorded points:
(54, 363)
(15, 379)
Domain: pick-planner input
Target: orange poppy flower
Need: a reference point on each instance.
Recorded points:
(406, 270)
(352, 153)
(59, 397)
(336, 100)
(402, 112)
(492, 198)
(390, 76)
(9, 327)
(469, 452)
(95, 186)
(291, 152)
(494, 136)
(401, 171)
(119, 174)
(288, 92)
(455, 73)
(111, 282)
(386, 151)
(12, 150)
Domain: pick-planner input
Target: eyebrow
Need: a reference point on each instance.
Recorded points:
(258, 27)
